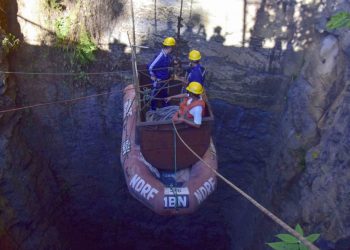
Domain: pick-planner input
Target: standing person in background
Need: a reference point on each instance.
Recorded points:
(159, 70)
(196, 72)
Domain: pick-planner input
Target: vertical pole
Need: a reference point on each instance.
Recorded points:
(179, 25)
(155, 16)
(244, 21)
(133, 23)
(132, 46)
(179, 20)
(134, 62)
(191, 10)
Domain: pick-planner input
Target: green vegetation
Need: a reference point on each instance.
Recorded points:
(54, 4)
(85, 49)
(340, 20)
(9, 43)
(63, 28)
(289, 242)
(81, 45)
(315, 154)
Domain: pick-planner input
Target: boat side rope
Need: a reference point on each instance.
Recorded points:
(284, 225)
(125, 128)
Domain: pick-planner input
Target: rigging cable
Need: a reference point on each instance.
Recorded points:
(70, 100)
(249, 198)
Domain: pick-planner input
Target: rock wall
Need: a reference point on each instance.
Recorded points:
(314, 161)
(25, 195)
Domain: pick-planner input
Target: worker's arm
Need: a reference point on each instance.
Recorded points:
(176, 97)
(154, 65)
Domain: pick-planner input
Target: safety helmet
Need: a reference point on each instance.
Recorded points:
(195, 88)
(169, 41)
(194, 55)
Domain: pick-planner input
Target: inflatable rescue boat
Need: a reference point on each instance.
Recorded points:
(160, 171)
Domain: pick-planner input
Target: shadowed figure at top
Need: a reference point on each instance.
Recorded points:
(217, 37)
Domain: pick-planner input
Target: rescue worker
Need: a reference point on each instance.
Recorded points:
(160, 72)
(196, 72)
(192, 108)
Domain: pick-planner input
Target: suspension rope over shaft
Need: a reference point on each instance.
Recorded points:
(284, 225)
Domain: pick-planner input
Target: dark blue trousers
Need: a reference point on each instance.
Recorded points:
(160, 90)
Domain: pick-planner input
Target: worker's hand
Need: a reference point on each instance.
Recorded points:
(167, 99)
(175, 118)
(181, 119)
(155, 82)
(179, 78)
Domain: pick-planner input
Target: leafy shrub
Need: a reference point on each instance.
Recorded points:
(340, 20)
(63, 27)
(289, 242)
(54, 4)
(85, 49)
(9, 43)
(81, 45)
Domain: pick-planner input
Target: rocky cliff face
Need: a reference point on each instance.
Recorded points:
(314, 162)
(25, 198)
(281, 131)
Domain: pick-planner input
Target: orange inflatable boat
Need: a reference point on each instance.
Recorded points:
(159, 170)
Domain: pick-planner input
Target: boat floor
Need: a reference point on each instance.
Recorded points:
(178, 179)
(171, 178)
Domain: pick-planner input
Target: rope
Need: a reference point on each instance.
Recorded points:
(56, 102)
(67, 101)
(162, 114)
(78, 73)
(64, 73)
(254, 202)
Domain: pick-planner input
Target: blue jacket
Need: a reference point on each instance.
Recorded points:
(159, 66)
(196, 74)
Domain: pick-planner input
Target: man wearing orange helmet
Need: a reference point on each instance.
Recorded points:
(192, 108)
(159, 70)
